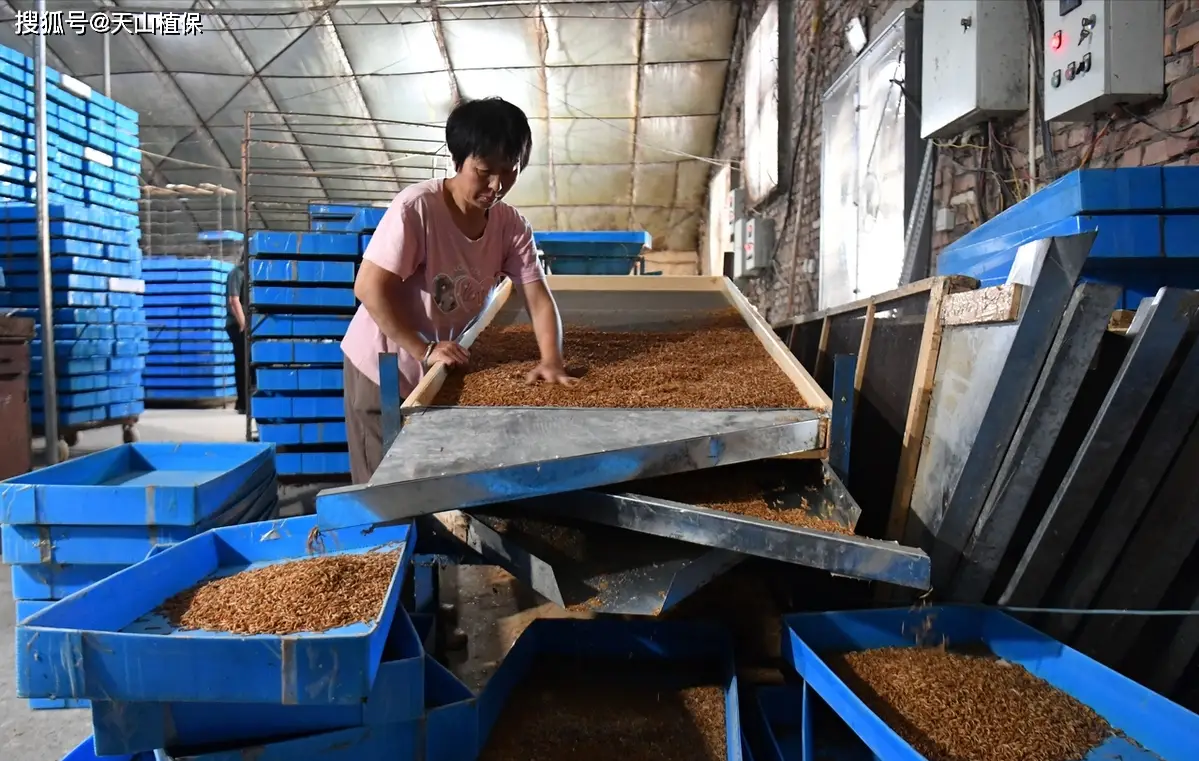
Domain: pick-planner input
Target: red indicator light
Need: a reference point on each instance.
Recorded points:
(1055, 42)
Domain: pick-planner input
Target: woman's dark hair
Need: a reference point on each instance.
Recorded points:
(490, 128)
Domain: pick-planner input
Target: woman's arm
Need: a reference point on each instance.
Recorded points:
(522, 267)
(395, 252)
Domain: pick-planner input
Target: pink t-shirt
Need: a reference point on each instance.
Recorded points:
(446, 276)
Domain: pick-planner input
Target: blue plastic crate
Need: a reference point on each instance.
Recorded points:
(214, 384)
(783, 718)
(90, 644)
(157, 484)
(277, 296)
(299, 326)
(299, 379)
(294, 434)
(184, 300)
(187, 288)
(284, 271)
(53, 581)
(296, 352)
(189, 359)
(326, 245)
(297, 407)
(397, 696)
(189, 371)
(29, 299)
(85, 751)
(313, 463)
(1157, 725)
(368, 219)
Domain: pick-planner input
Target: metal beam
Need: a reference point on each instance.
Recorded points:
(439, 35)
(543, 45)
(338, 49)
(638, 87)
(161, 71)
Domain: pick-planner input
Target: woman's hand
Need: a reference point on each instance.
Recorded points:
(450, 353)
(550, 373)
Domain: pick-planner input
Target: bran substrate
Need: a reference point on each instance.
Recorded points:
(720, 365)
(310, 595)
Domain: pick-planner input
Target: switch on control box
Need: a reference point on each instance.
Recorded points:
(1100, 53)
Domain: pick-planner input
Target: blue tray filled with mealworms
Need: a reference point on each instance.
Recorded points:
(957, 683)
(629, 690)
(269, 612)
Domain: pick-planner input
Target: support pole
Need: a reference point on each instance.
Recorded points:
(45, 294)
(107, 65)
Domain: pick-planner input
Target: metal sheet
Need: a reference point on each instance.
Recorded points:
(1073, 350)
(599, 569)
(454, 457)
(824, 496)
(1159, 327)
(955, 480)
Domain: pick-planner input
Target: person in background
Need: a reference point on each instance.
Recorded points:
(438, 251)
(235, 326)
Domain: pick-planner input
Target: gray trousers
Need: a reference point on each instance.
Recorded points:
(364, 423)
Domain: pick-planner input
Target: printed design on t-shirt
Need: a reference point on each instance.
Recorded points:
(444, 295)
(462, 289)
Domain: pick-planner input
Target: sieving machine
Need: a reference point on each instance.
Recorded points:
(551, 494)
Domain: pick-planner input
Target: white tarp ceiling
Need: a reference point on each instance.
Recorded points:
(623, 97)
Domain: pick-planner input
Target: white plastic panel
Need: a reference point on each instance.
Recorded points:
(975, 63)
(1099, 53)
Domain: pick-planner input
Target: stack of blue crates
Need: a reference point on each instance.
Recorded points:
(99, 320)
(1146, 221)
(191, 358)
(65, 527)
(302, 296)
(93, 164)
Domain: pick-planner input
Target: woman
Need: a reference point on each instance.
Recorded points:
(430, 265)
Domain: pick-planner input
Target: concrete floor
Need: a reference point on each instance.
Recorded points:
(27, 735)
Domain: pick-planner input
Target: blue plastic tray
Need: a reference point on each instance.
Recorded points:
(397, 696)
(789, 722)
(296, 352)
(95, 643)
(106, 546)
(451, 716)
(649, 641)
(381, 742)
(1159, 726)
(314, 463)
(51, 581)
(85, 751)
(278, 296)
(299, 379)
(134, 484)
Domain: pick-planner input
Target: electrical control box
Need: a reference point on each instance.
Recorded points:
(975, 63)
(758, 244)
(735, 224)
(1099, 53)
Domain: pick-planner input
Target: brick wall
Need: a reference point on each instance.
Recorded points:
(970, 192)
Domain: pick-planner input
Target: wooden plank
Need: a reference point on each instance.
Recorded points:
(1159, 328)
(956, 283)
(634, 283)
(1066, 366)
(822, 348)
(432, 381)
(808, 388)
(1138, 483)
(863, 352)
(1000, 303)
(917, 416)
